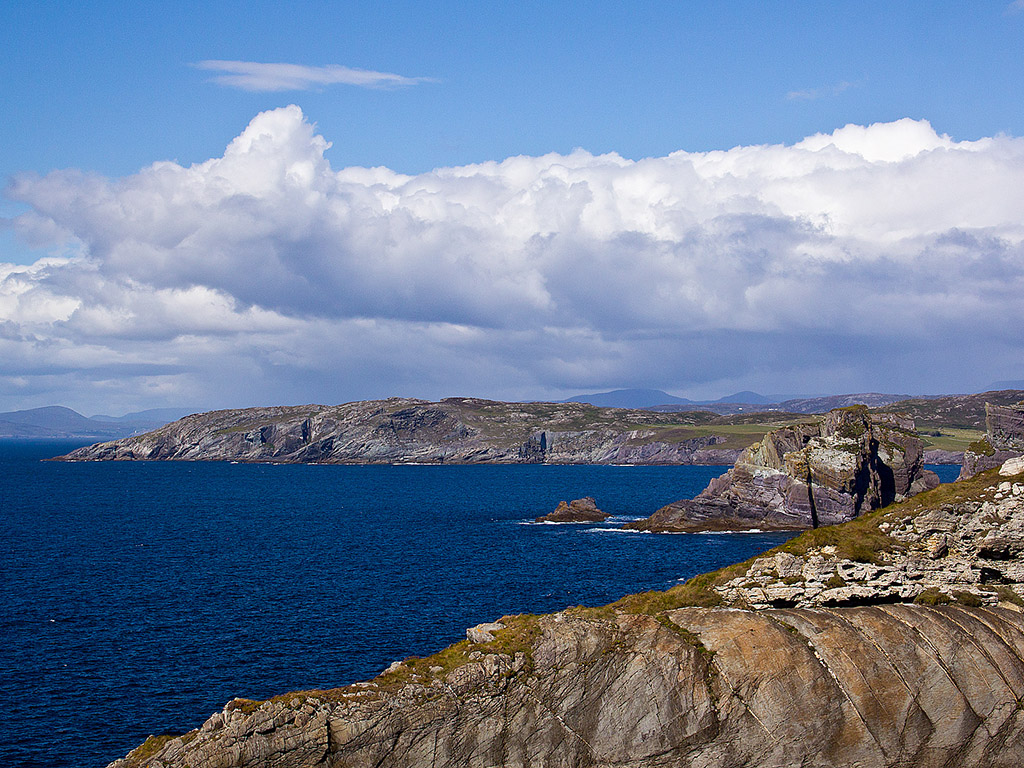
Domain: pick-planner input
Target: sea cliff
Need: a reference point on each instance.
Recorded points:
(805, 475)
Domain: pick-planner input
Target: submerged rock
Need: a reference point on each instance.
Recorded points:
(577, 511)
(807, 475)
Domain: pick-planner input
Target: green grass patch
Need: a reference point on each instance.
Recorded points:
(859, 540)
(152, 746)
(968, 599)
(982, 447)
(950, 439)
(1007, 595)
(698, 592)
(932, 596)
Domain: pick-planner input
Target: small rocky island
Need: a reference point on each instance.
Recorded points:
(894, 640)
(576, 511)
(850, 462)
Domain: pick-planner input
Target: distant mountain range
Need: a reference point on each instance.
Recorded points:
(55, 421)
(657, 400)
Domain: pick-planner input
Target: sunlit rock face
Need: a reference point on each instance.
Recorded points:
(807, 475)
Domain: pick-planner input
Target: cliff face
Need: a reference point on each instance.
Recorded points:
(847, 673)
(1004, 439)
(875, 686)
(456, 430)
(807, 475)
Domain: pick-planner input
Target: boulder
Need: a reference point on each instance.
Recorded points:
(1012, 467)
(483, 633)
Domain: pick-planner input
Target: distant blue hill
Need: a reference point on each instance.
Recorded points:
(153, 415)
(745, 396)
(629, 398)
(56, 421)
(648, 398)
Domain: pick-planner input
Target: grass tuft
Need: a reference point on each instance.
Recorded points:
(932, 596)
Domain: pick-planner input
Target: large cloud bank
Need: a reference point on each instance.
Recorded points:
(882, 257)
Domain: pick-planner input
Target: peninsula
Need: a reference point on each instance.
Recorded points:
(462, 430)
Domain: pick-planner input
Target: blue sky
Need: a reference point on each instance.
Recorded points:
(109, 89)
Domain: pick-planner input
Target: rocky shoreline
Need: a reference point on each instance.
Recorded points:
(402, 430)
(896, 639)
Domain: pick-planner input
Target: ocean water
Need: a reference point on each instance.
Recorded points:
(137, 598)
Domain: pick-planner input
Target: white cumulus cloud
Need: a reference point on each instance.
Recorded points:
(886, 256)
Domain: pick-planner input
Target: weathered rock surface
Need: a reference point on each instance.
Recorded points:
(806, 475)
(455, 431)
(649, 683)
(1004, 439)
(895, 685)
(577, 511)
(953, 548)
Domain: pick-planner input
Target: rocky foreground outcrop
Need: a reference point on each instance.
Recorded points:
(576, 511)
(402, 430)
(843, 670)
(807, 475)
(1004, 439)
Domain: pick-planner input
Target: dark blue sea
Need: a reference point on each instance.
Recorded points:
(137, 598)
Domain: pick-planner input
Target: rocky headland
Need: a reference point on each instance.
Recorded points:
(1003, 439)
(805, 475)
(896, 640)
(453, 431)
(576, 511)
(461, 430)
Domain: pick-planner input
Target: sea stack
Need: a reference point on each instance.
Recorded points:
(806, 475)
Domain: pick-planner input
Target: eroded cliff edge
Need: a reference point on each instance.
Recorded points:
(812, 654)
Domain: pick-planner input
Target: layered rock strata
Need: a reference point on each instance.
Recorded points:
(453, 431)
(898, 685)
(807, 475)
(967, 549)
(1004, 439)
(576, 511)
